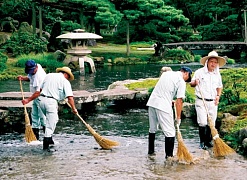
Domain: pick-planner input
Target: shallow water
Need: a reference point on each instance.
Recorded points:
(78, 156)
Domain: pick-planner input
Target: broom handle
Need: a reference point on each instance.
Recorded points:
(84, 122)
(77, 114)
(21, 90)
(25, 108)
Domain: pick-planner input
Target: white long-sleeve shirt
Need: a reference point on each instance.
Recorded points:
(170, 85)
(209, 82)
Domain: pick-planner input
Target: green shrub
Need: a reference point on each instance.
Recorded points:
(3, 60)
(2, 66)
(230, 61)
(234, 91)
(47, 61)
(243, 57)
(25, 43)
(179, 56)
(197, 58)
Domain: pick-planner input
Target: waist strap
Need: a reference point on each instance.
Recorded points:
(47, 96)
(205, 99)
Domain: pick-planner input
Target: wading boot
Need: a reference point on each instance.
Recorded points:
(46, 143)
(208, 139)
(36, 132)
(202, 135)
(43, 128)
(169, 146)
(151, 139)
(51, 142)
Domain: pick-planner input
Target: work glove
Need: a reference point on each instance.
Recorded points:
(178, 122)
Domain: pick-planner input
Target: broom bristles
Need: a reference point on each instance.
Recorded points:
(103, 142)
(29, 135)
(182, 152)
(220, 148)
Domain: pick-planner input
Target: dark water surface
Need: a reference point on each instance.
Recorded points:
(78, 156)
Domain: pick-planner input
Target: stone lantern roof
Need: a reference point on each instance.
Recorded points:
(78, 40)
(79, 34)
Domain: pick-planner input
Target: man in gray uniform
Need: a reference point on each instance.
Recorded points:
(172, 84)
(55, 87)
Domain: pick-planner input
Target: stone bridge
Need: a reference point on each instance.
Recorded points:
(12, 111)
(231, 49)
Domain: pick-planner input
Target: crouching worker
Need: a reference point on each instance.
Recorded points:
(55, 87)
(171, 85)
(35, 75)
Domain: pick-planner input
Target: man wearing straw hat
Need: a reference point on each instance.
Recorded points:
(172, 84)
(55, 87)
(35, 74)
(208, 83)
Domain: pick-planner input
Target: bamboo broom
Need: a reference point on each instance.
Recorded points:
(29, 135)
(220, 148)
(182, 152)
(103, 142)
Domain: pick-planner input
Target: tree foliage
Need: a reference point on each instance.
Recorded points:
(164, 20)
(150, 20)
(225, 15)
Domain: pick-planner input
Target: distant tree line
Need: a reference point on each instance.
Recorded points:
(141, 20)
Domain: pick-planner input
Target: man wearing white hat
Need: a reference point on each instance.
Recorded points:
(55, 87)
(208, 85)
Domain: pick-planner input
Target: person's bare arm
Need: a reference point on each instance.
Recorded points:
(217, 98)
(23, 78)
(72, 104)
(31, 98)
(194, 83)
(179, 106)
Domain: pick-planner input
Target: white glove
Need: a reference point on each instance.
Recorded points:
(178, 121)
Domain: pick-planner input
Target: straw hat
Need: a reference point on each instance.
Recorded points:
(221, 60)
(66, 70)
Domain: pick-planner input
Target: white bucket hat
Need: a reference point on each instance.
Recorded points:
(221, 60)
(66, 70)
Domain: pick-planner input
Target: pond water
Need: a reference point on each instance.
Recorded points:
(77, 155)
(102, 78)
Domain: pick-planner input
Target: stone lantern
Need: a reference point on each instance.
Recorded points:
(78, 39)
